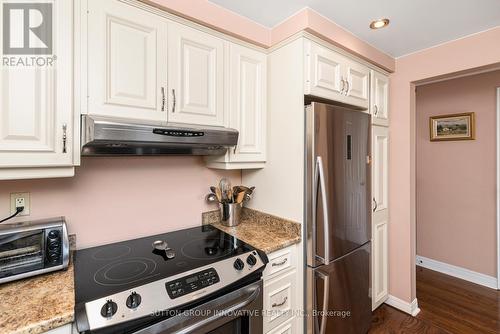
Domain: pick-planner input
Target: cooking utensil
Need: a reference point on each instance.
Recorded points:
(218, 193)
(225, 188)
(240, 197)
(213, 189)
(211, 198)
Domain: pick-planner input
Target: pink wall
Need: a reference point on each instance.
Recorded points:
(112, 199)
(216, 17)
(456, 181)
(467, 53)
(221, 19)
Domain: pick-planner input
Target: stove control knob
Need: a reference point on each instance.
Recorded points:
(134, 300)
(251, 260)
(109, 309)
(238, 264)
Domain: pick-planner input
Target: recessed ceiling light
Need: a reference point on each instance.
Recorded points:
(377, 24)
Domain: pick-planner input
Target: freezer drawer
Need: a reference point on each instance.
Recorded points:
(338, 295)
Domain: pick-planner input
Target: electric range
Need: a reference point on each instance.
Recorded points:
(128, 286)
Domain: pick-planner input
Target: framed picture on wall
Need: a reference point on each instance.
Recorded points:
(452, 127)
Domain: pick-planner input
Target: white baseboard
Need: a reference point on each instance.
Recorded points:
(410, 308)
(459, 272)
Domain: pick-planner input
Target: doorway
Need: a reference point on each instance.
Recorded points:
(457, 206)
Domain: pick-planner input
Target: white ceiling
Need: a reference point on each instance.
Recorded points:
(415, 24)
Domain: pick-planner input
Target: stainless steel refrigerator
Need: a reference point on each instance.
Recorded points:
(338, 219)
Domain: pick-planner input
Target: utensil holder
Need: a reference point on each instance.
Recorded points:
(230, 213)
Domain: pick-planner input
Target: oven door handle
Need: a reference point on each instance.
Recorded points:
(239, 303)
(231, 309)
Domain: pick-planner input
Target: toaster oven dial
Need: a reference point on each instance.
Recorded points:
(53, 247)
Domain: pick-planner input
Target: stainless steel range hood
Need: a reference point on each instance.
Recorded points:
(101, 136)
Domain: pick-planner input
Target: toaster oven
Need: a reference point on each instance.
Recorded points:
(32, 248)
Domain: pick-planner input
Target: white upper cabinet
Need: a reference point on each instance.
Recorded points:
(358, 83)
(36, 104)
(196, 77)
(379, 99)
(325, 73)
(247, 85)
(127, 73)
(247, 109)
(335, 77)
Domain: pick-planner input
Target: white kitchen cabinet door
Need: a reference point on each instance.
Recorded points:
(247, 94)
(333, 76)
(325, 74)
(380, 175)
(379, 99)
(196, 77)
(380, 268)
(358, 84)
(380, 215)
(36, 111)
(247, 109)
(127, 74)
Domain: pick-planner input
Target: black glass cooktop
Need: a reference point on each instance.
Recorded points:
(104, 270)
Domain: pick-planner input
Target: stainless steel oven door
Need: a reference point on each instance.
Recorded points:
(238, 312)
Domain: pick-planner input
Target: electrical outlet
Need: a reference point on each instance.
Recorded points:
(20, 199)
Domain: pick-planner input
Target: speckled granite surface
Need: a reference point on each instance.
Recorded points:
(263, 231)
(37, 304)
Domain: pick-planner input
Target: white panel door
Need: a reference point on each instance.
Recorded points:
(380, 215)
(324, 72)
(358, 83)
(380, 268)
(196, 77)
(247, 94)
(36, 111)
(127, 73)
(379, 99)
(380, 176)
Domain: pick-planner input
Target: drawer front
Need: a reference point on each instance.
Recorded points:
(281, 261)
(285, 328)
(279, 300)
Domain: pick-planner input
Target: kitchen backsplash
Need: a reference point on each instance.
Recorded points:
(113, 199)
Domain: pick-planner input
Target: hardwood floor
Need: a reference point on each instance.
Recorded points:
(388, 320)
(448, 306)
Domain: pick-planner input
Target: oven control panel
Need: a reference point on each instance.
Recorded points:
(191, 283)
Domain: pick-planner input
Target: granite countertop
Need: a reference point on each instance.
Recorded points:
(263, 231)
(37, 304)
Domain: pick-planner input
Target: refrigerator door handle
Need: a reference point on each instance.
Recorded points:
(326, 294)
(320, 176)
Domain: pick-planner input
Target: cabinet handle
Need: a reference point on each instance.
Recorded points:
(163, 99)
(173, 101)
(343, 85)
(280, 304)
(348, 87)
(277, 264)
(375, 112)
(376, 205)
(64, 137)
